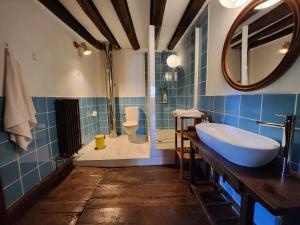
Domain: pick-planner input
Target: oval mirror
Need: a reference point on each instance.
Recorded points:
(262, 43)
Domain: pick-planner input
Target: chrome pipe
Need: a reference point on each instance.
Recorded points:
(110, 92)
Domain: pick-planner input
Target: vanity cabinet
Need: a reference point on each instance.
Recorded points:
(280, 195)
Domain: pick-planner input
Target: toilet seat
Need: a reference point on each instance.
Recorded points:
(130, 123)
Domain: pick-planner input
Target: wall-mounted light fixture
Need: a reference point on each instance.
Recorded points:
(267, 4)
(285, 48)
(82, 48)
(173, 61)
(232, 3)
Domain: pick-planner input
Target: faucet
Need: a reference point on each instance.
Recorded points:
(288, 127)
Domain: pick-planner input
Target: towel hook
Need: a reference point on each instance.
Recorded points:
(6, 44)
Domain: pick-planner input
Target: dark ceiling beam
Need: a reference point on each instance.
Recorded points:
(277, 13)
(189, 14)
(92, 12)
(64, 15)
(274, 28)
(271, 38)
(287, 22)
(157, 9)
(122, 10)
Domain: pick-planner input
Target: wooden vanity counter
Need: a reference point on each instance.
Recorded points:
(278, 194)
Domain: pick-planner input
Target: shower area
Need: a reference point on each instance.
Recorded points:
(182, 86)
(111, 116)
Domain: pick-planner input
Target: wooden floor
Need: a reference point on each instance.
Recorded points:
(135, 196)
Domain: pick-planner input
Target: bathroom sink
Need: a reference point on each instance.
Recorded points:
(238, 146)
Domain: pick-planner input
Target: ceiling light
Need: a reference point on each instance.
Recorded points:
(232, 3)
(285, 47)
(267, 4)
(82, 48)
(173, 61)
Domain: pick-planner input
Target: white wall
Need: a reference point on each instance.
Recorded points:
(264, 58)
(218, 29)
(29, 28)
(129, 72)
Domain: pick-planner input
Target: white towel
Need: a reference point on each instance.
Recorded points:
(193, 113)
(19, 112)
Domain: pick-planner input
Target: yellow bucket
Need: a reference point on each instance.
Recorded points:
(100, 141)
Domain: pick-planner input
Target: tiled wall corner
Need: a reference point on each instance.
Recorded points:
(89, 125)
(164, 119)
(22, 170)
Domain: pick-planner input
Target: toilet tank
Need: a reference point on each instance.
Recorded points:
(132, 113)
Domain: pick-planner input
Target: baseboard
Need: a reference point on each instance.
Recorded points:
(31, 197)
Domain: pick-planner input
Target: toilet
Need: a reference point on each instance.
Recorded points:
(132, 122)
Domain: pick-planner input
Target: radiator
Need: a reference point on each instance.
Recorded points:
(68, 126)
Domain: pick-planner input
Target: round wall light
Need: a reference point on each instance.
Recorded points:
(173, 61)
(232, 3)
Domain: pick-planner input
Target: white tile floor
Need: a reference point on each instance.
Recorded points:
(116, 151)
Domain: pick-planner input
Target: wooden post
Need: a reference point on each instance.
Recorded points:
(182, 147)
(192, 165)
(247, 209)
(176, 147)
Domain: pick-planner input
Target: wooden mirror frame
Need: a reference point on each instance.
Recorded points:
(287, 60)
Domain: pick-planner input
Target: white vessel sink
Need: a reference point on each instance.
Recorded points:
(238, 146)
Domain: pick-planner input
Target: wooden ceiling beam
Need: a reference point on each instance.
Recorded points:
(271, 38)
(274, 28)
(189, 14)
(157, 9)
(122, 10)
(92, 12)
(277, 13)
(64, 15)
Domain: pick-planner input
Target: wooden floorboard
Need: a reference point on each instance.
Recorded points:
(119, 196)
(143, 215)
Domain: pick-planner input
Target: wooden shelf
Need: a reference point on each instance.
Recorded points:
(186, 155)
(216, 206)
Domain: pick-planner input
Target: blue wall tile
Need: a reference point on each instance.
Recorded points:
(28, 162)
(232, 103)
(42, 138)
(277, 104)
(9, 173)
(250, 106)
(42, 122)
(12, 193)
(44, 154)
(52, 119)
(274, 133)
(218, 117)
(51, 104)
(210, 103)
(30, 180)
(40, 104)
(249, 125)
(54, 148)
(231, 120)
(8, 152)
(219, 104)
(46, 169)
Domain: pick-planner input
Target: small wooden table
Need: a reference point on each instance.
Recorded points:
(278, 194)
(180, 152)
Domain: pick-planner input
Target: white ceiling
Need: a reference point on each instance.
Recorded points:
(140, 14)
(172, 15)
